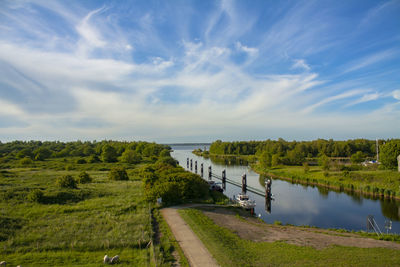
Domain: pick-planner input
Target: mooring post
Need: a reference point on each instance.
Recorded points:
(268, 204)
(244, 183)
(191, 164)
(195, 166)
(187, 163)
(224, 179)
(209, 173)
(201, 170)
(268, 184)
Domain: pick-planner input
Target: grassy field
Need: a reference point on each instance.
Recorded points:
(372, 182)
(230, 250)
(77, 227)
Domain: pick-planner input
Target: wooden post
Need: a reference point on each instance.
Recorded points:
(244, 183)
(268, 184)
(224, 179)
(191, 164)
(195, 166)
(209, 173)
(201, 170)
(187, 163)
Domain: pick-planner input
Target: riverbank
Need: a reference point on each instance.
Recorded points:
(376, 183)
(235, 239)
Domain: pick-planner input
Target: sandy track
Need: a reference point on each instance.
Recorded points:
(194, 250)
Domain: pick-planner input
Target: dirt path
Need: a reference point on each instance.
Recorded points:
(194, 250)
(252, 229)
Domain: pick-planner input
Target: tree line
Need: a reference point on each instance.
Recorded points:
(105, 151)
(276, 152)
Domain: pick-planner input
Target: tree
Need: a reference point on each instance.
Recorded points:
(265, 160)
(130, 156)
(275, 161)
(357, 157)
(389, 153)
(118, 174)
(108, 154)
(84, 178)
(66, 181)
(306, 167)
(324, 161)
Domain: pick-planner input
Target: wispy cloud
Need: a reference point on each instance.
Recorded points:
(370, 60)
(300, 64)
(152, 74)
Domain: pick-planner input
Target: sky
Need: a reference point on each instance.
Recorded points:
(196, 71)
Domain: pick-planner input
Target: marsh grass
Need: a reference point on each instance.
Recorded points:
(73, 227)
(230, 250)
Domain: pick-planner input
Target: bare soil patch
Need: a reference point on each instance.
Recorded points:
(252, 229)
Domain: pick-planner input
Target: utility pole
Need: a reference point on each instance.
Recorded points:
(377, 150)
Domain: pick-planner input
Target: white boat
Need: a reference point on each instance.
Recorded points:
(245, 201)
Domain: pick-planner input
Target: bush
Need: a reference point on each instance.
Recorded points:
(26, 161)
(118, 174)
(80, 161)
(35, 195)
(84, 178)
(93, 159)
(66, 181)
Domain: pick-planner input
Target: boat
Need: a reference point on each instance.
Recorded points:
(245, 202)
(215, 187)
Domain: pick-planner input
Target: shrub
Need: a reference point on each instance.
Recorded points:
(118, 174)
(93, 159)
(84, 178)
(81, 161)
(66, 181)
(26, 161)
(35, 195)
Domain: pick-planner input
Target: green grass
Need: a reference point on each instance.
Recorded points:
(74, 227)
(366, 181)
(230, 250)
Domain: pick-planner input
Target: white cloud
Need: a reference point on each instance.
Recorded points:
(370, 60)
(300, 64)
(365, 98)
(252, 51)
(88, 32)
(396, 94)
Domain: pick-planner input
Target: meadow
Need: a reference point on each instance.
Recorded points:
(231, 250)
(78, 226)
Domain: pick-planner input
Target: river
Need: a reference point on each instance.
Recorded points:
(299, 204)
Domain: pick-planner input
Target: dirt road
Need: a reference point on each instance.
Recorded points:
(194, 250)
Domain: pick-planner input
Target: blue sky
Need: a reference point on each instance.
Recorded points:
(183, 71)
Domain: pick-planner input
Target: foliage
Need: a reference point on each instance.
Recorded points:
(84, 178)
(80, 161)
(66, 181)
(357, 157)
(173, 184)
(131, 156)
(35, 195)
(306, 167)
(118, 174)
(324, 162)
(108, 153)
(389, 153)
(26, 161)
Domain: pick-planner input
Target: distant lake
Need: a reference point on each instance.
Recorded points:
(299, 204)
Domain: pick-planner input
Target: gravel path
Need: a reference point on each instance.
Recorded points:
(194, 250)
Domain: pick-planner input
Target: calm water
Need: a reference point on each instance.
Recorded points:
(299, 204)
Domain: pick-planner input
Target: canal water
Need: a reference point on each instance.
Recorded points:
(299, 204)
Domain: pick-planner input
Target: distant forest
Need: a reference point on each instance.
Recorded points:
(297, 152)
(105, 151)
